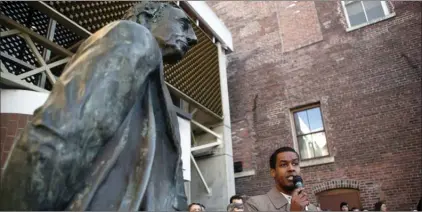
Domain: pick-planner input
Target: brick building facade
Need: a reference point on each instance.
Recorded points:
(365, 80)
(11, 126)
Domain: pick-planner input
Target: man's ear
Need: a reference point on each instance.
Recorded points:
(272, 172)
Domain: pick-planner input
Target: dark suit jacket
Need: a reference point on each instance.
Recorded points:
(272, 201)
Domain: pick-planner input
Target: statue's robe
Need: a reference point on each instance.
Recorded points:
(106, 138)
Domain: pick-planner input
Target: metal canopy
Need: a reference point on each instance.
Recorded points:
(195, 78)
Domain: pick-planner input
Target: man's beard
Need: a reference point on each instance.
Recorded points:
(289, 188)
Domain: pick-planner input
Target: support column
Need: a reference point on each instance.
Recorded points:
(217, 169)
(47, 53)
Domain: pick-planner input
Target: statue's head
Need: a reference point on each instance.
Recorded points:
(169, 25)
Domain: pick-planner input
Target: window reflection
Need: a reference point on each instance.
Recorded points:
(315, 120)
(373, 9)
(310, 133)
(356, 13)
(360, 12)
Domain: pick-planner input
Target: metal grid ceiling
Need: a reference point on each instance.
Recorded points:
(92, 15)
(197, 75)
(15, 45)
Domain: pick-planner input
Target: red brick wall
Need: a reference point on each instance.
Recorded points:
(298, 20)
(368, 82)
(11, 126)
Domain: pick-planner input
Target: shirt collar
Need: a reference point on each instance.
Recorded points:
(288, 197)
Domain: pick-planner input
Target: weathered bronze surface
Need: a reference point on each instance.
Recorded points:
(106, 138)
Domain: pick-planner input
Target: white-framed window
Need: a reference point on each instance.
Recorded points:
(309, 132)
(364, 12)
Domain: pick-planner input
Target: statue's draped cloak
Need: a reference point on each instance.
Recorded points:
(105, 139)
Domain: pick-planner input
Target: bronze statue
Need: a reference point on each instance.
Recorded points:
(106, 138)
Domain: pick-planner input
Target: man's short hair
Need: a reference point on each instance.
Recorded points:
(235, 197)
(198, 204)
(273, 158)
(343, 204)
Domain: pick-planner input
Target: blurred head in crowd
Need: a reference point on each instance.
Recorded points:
(355, 209)
(284, 164)
(380, 206)
(236, 199)
(196, 207)
(235, 207)
(344, 206)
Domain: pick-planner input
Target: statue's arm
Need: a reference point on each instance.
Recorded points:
(85, 107)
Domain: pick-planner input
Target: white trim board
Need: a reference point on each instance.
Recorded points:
(207, 16)
(21, 101)
(245, 173)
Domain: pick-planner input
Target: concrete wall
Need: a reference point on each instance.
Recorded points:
(368, 82)
(217, 168)
(214, 169)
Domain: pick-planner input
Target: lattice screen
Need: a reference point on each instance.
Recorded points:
(92, 15)
(15, 45)
(197, 75)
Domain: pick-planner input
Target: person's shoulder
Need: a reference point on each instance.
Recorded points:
(135, 38)
(258, 198)
(124, 32)
(255, 203)
(128, 30)
(130, 25)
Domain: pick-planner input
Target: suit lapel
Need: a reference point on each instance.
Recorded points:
(277, 199)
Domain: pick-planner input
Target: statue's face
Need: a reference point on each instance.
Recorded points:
(174, 34)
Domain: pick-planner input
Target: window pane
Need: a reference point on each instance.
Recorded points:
(320, 144)
(355, 13)
(373, 10)
(301, 123)
(313, 145)
(305, 147)
(315, 119)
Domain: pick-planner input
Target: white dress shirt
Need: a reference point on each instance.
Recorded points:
(289, 199)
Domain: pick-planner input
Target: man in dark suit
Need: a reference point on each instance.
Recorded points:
(284, 164)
